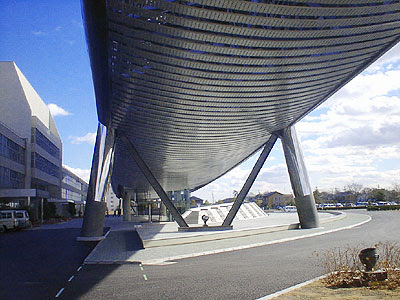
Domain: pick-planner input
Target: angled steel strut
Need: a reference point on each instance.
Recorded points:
(250, 180)
(152, 180)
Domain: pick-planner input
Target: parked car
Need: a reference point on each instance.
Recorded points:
(290, 208)
(328, 205)
(23, 219)
(8, 220)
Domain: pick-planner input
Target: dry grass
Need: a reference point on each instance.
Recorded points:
(344, 272)
(344, 268)
(319, 291)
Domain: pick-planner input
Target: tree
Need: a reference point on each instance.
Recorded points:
(206, 203)
(71, 209)
(395, 194)
(354, 189)
(379, 194)
(317, 195)
(49, 210)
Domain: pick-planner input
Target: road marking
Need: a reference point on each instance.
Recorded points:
(70, 279)
(162, 260)
(79, 269)
(141, 268)
(59, 292)
(144, 276)
(295, 287)
(162, 263)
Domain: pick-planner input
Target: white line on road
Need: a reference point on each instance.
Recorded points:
(161, 261)
(70, 279)
(295, 287)
(144, 276)
(59, 292)
(79, 269)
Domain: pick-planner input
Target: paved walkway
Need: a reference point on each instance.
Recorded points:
(122, 246)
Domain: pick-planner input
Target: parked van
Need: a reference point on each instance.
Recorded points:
(8, 220)
(290, 208)
(23, 218)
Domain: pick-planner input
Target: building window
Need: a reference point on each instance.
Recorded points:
(70, 195)
(44, 165)
(11, 179)
(71, 181)
(45, 143)
(11, 150)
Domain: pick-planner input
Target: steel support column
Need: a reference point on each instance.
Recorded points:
(250, 180)
(126, 205)
(304, 199)
(93, 220)
(152, 180)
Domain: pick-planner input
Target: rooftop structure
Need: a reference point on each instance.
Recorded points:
(192, 89)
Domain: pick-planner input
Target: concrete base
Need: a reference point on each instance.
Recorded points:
(90, 238)
(93, 220)
(205, 228)
(307, 211)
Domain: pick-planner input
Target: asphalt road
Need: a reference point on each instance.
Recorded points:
(35, 263)
(244, 274)
(43, 264)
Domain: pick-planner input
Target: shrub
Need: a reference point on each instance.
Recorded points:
(345, 269)
(384, 207)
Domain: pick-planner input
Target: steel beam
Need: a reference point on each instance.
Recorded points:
(250, 180)
(152, 180)
(305, 203)
(93, 220)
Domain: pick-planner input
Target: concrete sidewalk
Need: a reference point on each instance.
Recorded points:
(166, 244)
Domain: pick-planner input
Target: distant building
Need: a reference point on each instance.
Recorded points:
(197, 201)
(30, 145)
(113, 202)
(276, 199)
(73, 190)
(228, 200)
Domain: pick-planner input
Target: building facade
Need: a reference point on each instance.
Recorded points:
(276, 199)
(31, 172)
(73, 192)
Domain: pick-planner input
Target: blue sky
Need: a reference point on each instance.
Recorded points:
(47, 42)
(352, 138)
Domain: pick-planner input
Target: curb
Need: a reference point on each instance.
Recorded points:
(230, 234)
(292, 288)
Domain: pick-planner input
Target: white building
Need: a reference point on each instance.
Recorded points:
(30, 145)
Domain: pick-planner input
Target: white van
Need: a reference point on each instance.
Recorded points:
(23, 218)
(290, 208)
(8, 220)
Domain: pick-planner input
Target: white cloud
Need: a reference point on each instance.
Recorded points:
(56, 110)
(82, 173)
(89, 138)
(392, 56)
(357, 138)
(38, 32)
(352, 138)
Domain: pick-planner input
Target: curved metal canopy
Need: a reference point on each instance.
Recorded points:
(198, 86)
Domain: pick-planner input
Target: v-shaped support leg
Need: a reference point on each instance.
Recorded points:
(103, 156)
(250, 180)
(152, 180)
(304, 199)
